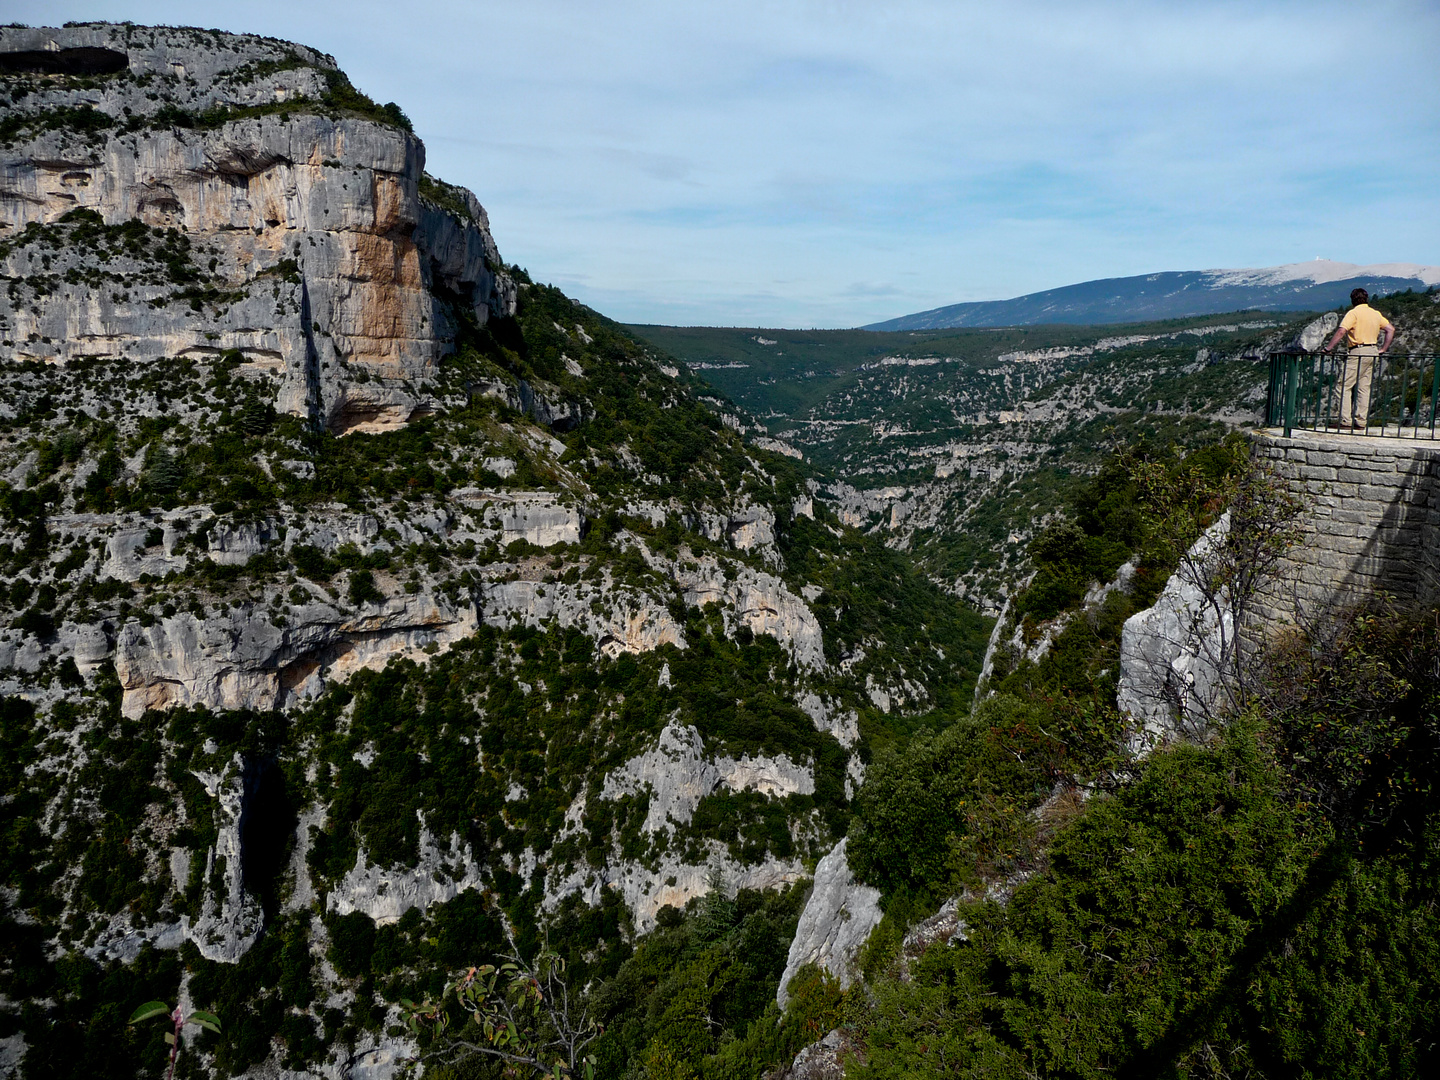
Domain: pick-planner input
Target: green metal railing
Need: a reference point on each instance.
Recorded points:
(1304, 392)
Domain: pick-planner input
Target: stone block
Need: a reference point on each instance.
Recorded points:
(1296, 454)
(1332, 530)
(1348, 545)
(1353, 515)
(1326, 457)
(1316, 472)
(1329, 560)
(1403, 537)
(1355, 475)
(1380, 493)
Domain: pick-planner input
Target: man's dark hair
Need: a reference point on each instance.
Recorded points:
(1359, 296)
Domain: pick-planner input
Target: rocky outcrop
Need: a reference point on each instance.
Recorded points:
(674, 775)
(538, 517)
(836, 921)
(240, 659)
(1170, 654)
(230, 918)
(671, 880)
(822, 1060)
(310, 243)
(760, 602)
(747, 527)
(678, 773)
(1314, 334)
(619, 619)
(386, 893)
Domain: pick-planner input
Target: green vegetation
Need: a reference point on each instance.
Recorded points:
(789, 376)
(1258, 904)
(446, 196)
(981, 432)
(1116, 518)
(1231, 905)
(699, 992)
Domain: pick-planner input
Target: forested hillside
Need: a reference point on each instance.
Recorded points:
(955, 445)
(415, 672)
(354, 621)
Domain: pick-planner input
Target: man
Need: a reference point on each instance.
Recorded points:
(1363, 327)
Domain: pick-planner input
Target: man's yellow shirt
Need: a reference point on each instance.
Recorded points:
(1364, 324)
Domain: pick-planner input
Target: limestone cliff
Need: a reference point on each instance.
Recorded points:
(363, 600)
(314, 253)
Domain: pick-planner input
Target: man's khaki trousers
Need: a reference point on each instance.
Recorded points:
(1359, 372)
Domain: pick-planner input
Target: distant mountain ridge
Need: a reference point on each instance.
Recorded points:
(1307, 286)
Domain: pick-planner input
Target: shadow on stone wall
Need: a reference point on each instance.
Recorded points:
(1401, 557)
(1371, 525)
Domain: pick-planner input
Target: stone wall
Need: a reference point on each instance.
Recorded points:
(1371, 521)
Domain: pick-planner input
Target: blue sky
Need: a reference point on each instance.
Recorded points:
(837, 162)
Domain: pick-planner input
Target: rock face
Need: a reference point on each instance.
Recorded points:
(677, 774)
(537, 518)
(837, 919)
(673, 880)
(241, 660)
(823, 1060)
(760, 602)
(314, 254)
(674, 776)
(1316, 333)
(1170, 654)
(387, 893)
(230, 918)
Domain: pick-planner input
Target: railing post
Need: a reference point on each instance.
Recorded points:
(1272, 392)
(1434, 392)
(1292, 380)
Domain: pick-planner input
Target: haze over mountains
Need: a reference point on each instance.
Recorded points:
(1307, 286)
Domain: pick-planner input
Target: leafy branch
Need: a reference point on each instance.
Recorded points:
(518, 1012)
(208, 1021)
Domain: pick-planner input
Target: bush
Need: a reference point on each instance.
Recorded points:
(310, 561)
(916, 805)
(1258, 906)
(352, 941)
(363, 590)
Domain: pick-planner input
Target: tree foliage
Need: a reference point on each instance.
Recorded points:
(521, 1012)
(1256, 906)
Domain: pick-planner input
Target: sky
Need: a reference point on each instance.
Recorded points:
(831, 163)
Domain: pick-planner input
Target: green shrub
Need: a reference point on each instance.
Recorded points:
(1259, 905)
(916, 805)
(311, 562)
(363, 589)
(352, 942)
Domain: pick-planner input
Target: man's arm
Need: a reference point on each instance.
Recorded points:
(1335, 339)
(1387, 336)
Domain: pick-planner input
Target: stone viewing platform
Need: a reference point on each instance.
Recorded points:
(1371, 519)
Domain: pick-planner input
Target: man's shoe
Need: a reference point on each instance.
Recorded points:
(1358, 427)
